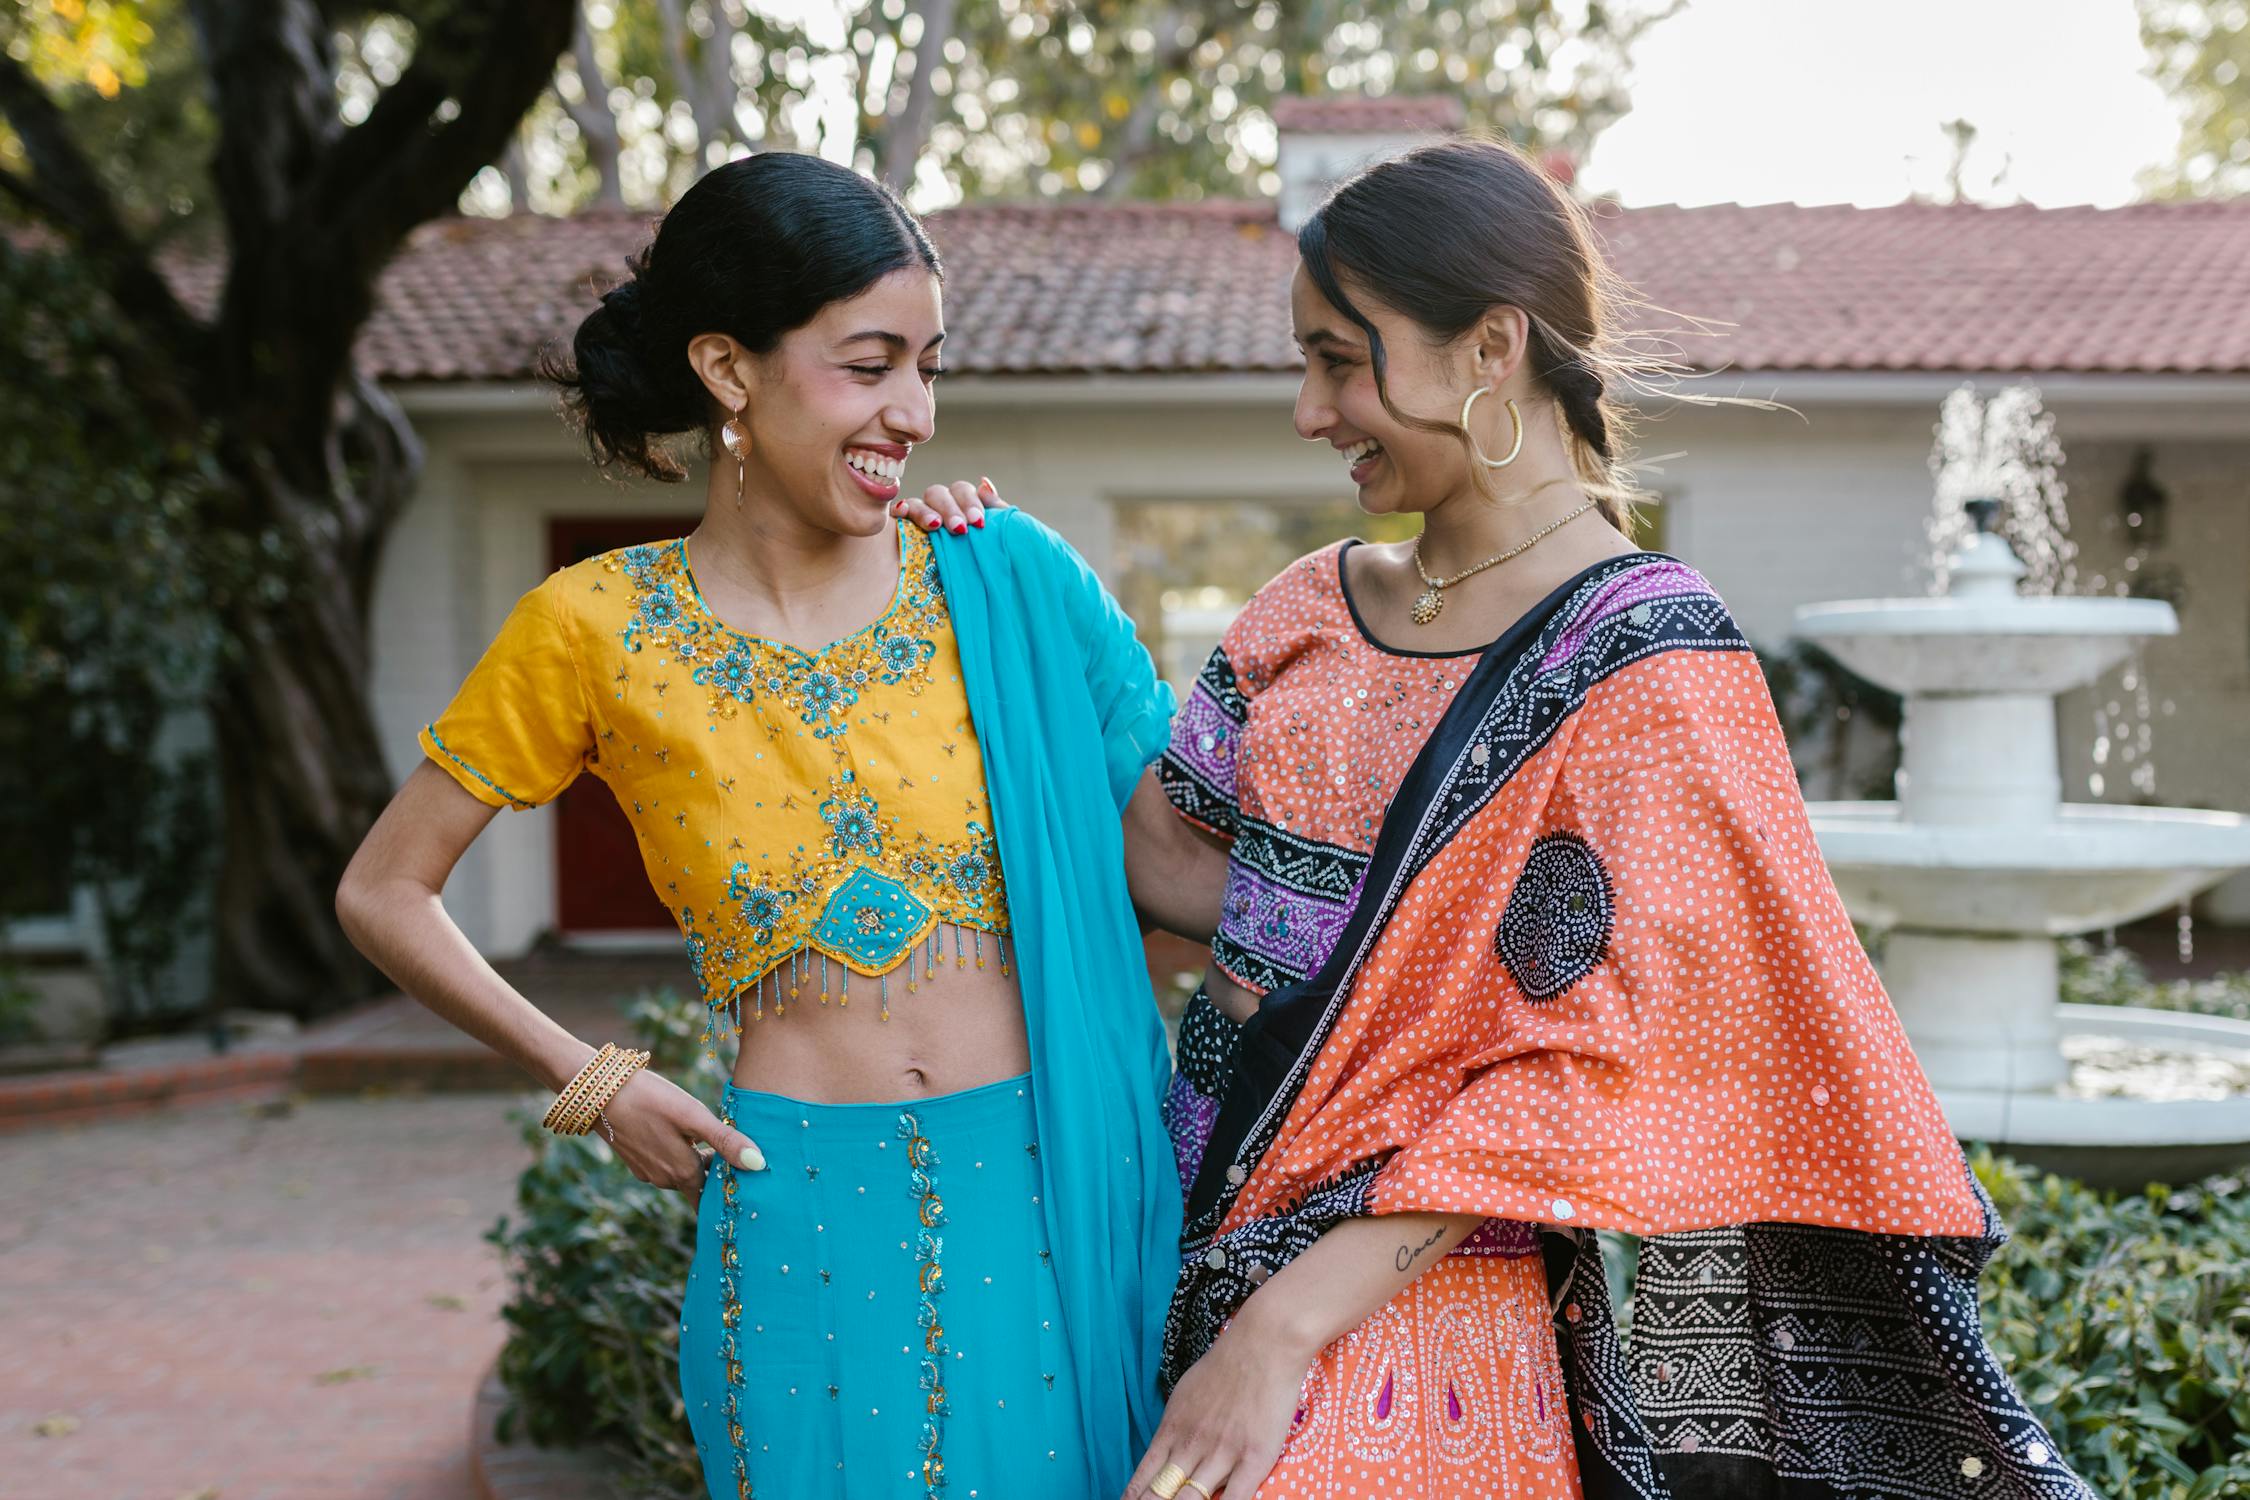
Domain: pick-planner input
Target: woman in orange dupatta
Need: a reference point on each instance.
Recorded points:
(1529, 937)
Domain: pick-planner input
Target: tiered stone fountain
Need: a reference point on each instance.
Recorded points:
(1971, 877)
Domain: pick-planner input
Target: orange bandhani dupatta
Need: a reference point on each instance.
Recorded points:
(1597, 977)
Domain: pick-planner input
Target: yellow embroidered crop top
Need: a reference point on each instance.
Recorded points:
(810, 806)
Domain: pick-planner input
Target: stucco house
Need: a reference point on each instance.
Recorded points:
(1126, 371)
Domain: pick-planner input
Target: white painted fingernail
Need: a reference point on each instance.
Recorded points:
(752, 1159)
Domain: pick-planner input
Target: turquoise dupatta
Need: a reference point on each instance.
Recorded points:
(1068, 712)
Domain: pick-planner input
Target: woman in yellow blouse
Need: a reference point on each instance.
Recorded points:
(878, 776)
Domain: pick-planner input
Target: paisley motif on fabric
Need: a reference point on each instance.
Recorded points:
(1381, 1407)
(1461, 1409)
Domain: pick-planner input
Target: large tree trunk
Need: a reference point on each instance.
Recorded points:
(321, 458)
(303, 771)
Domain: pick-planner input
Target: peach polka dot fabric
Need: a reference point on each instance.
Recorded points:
(1338, 717)
(1731, 1057)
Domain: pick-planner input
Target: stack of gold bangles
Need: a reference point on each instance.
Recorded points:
(582, 1099)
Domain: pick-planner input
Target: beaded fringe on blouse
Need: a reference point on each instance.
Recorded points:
(806, 972)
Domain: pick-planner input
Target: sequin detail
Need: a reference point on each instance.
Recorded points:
(929, 1277)
(730, 1320)
(850, 754)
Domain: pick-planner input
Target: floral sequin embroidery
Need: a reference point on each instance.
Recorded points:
(842, 771)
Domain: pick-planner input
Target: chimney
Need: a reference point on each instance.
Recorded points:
(1325, 140)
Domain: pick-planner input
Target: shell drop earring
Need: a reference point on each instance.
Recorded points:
(737, 440)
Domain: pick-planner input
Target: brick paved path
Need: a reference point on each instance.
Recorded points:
(223, 1303)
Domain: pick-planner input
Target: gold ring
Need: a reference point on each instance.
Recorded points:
(1167, 1482)
(1189, 1484)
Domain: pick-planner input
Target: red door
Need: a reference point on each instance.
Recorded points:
(600, 885)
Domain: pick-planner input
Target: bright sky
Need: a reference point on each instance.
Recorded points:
(1841, 101)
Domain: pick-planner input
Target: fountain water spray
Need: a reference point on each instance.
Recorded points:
(2003, 450)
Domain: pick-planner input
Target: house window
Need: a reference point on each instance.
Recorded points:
(1184, 568)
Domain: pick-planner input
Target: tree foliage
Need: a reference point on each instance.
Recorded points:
(107, 635)
(2201, 54)
(991, 98)
(125, 77)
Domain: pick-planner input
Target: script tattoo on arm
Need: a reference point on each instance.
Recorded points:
(1408, 1254)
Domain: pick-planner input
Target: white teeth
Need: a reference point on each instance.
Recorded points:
(878, 465)
(1360, 450)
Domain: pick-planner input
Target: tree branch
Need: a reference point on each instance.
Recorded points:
(712, 95)
(596, 121)
(66, 192)
(909, 130)
(518, 172)
(482, 61)
(722, 93)
(273, 85)
(1138, 141)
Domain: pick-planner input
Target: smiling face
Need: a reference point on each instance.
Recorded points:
(1396, 467)
(835, 409)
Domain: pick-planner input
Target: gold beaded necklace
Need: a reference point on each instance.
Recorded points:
(1432, 598)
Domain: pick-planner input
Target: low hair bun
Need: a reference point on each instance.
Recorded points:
(614, 390)
(755, 249)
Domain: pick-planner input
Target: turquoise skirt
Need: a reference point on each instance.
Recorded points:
(875, 1314)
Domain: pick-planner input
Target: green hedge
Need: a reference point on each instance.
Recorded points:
(597, 1260)
(2124, 1318)
(2096, 976)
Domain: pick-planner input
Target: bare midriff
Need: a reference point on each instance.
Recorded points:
(952, 1026)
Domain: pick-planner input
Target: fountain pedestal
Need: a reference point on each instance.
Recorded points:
(1980, 1010)
(1973, 874)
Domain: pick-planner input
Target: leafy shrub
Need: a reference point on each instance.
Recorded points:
(2095, 976)
(2125, 1319)
(598, 1260)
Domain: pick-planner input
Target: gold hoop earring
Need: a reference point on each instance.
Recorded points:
(736, 437)
(1514, 416)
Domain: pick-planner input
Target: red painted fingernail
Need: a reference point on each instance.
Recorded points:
(957, 528)
(930, 525)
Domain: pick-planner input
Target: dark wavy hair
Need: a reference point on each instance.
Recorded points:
(755, 249)
(1447, 232)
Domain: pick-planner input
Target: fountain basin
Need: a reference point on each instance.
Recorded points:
(2014, 645)
(2088, 867)
(2165, 1123)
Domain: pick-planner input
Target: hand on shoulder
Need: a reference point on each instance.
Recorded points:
(956, 507)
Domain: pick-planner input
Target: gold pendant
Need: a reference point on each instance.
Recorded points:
(1426, 608)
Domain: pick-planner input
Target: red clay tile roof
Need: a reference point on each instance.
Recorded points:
(1385, 114)
(2151, 288)
(1201, 287)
